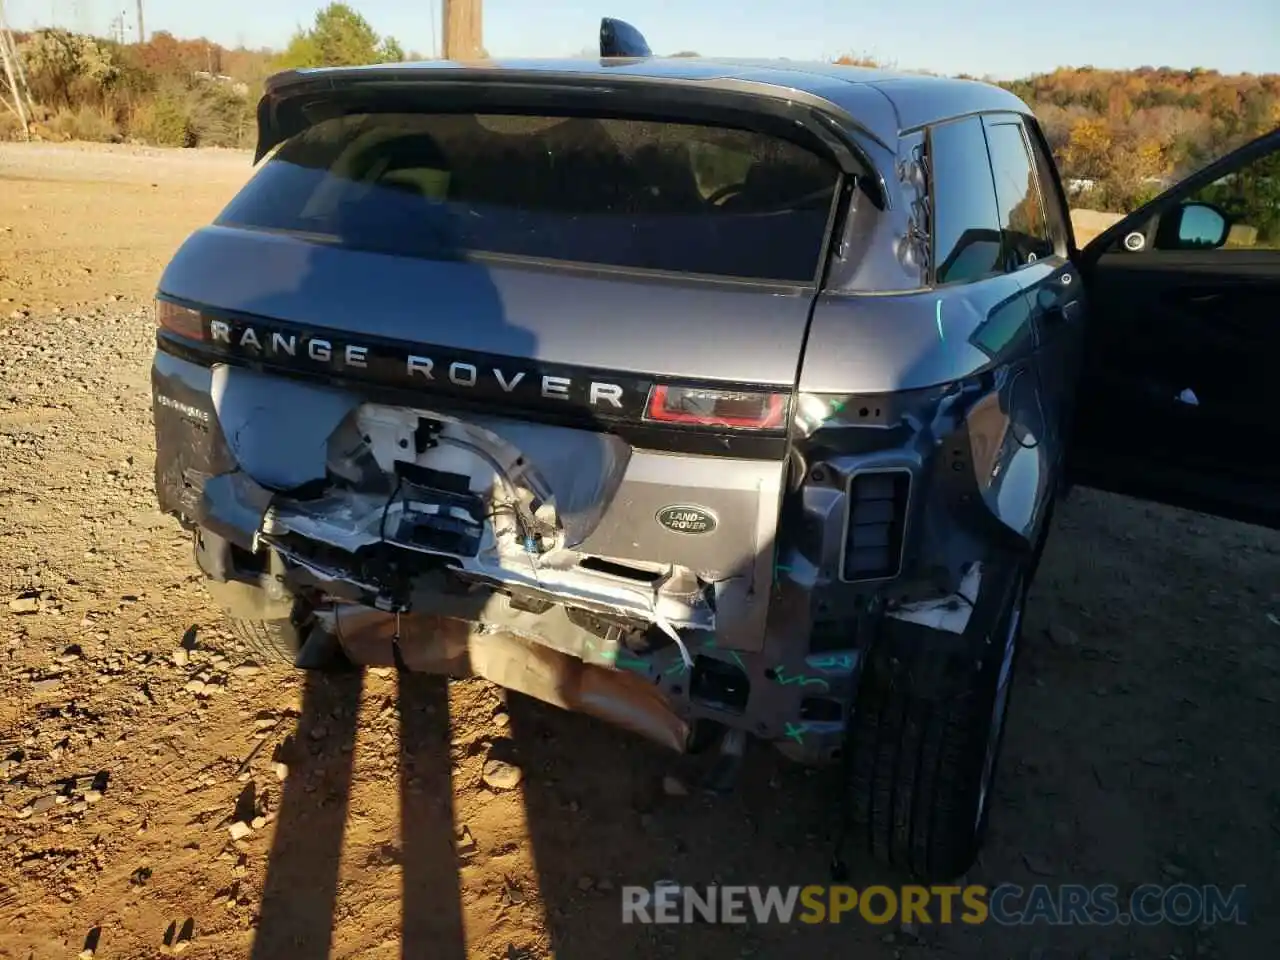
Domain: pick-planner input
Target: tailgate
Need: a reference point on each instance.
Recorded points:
(569, 261)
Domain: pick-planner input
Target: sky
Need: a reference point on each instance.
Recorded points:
(994, 38)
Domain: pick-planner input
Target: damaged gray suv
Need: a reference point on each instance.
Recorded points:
(715, 400)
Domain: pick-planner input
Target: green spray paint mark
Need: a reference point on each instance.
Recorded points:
(834, 663)
(677, 666)
(784, 681)
(795, 731)
(628, 662)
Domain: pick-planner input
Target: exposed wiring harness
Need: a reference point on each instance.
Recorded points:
(663, 624)
(386, 507)
(525, 520)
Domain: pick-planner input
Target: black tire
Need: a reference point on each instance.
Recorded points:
(273, 642)
(919, 781)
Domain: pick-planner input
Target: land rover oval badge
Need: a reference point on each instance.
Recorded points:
(685, 518)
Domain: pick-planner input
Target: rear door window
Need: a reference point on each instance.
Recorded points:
(1023, 226)
(618, 193)
(966, 218)
(1055, 209)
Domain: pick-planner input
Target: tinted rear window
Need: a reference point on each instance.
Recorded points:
(966, 218)
(621, 193)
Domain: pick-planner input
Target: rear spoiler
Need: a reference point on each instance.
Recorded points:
(299, 99)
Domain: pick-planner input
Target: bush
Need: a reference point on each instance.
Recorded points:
(84, 123)
(10, 128)
(66, 69)
(219, 116)
(208, 113)
(1114, 195)
(163, 121)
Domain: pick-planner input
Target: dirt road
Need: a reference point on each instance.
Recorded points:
(135, 735)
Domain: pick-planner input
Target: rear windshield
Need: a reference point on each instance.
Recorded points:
(620, 193)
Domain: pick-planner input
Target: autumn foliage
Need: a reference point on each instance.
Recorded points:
(174, 92)
(1126, 132)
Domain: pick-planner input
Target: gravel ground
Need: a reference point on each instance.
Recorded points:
(161, 793)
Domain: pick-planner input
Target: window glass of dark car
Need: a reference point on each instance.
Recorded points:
(966, 218)
(1022, 221)
(623, 193)
(1056, 214)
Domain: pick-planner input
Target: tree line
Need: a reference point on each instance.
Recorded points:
(1118, 135)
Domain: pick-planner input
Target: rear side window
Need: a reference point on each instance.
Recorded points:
(1055, 209)
(619, 193)
(1022, 221)
(966, 218)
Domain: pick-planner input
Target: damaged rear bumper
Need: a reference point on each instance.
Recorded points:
(761, 628)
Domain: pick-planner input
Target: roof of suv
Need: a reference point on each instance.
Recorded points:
(879, 99)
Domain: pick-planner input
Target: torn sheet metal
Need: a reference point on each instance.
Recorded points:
(582, 469)
(277, 429)
(432, 644)
(350, 521)
(950, 613)
(233, 506)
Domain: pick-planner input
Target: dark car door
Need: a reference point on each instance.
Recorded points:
(1177, 397)
(1037, 242)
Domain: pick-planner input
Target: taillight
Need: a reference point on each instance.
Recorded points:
(699, 406)
(181, 320)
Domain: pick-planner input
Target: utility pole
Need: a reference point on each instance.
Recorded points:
(142, 32)
(462, 30)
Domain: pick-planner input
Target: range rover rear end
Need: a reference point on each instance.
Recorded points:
(621, 385)
(507, 390)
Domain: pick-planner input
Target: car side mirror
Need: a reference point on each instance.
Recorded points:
(1193, 226)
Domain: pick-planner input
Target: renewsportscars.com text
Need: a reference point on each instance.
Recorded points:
(1007, 904)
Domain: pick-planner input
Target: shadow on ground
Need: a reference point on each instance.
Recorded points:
(1121, 767)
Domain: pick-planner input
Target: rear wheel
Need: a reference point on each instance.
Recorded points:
(274, 641)
(923, 761)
